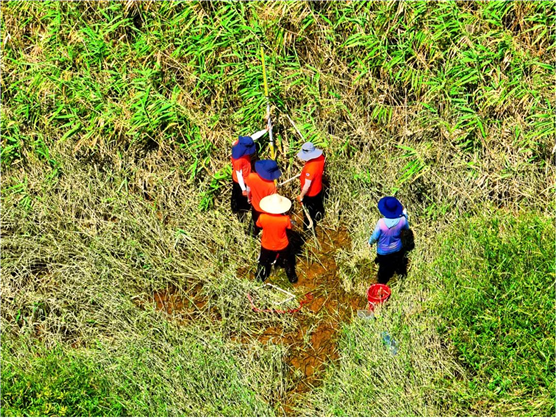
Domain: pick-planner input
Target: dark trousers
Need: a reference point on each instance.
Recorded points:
(253, 228)
(314, 206)
(238, 202)
(285, 258)
(390, 264)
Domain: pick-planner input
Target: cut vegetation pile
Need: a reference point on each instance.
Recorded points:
(124, 274)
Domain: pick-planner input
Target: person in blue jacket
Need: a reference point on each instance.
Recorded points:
(390, 251)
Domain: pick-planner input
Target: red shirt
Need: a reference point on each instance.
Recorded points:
(259, 188)
(274, 231)
(242, 164)
(313, 170)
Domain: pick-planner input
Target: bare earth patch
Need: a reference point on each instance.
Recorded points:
(313, 343)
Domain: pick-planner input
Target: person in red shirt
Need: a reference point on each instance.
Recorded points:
(259, 185)
(243, 149)
(274, 240)
(311, 182)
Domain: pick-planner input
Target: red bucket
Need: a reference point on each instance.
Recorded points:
(377, 294)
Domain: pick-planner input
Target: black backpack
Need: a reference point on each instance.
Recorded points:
(407, 238)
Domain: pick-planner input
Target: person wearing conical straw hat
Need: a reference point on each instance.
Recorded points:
(258, 185)
(390, 252)
(311, 182)
(243, 150)
(274, 240)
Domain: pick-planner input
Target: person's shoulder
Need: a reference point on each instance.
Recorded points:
(264, 217)
(285, 221)
(317, 159)
(319, 162)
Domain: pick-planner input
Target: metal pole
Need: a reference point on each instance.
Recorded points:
(272, 144)
(289, 180)
(295, 127)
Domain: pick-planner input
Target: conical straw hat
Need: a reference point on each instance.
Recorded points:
(275, 204)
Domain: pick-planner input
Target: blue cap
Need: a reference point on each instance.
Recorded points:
(390, 207)
(245, 146)
(267, 169)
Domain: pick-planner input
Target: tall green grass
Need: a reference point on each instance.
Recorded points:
(51, 382)
(156, 75)
(498, 309)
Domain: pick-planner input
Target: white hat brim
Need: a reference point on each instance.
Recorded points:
(275, 204)
(316, 153)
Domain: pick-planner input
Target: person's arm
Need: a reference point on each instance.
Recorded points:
(248, 193)
(375, 236)
(305, 189)
(241, 182)
(258, 134)
(405, 214)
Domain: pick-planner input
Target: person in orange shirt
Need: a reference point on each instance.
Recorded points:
(274, 241)
(258, 185)
(243, 149)
(311, 182)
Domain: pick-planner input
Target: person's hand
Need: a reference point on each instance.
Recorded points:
(300, 198)
(245, 193)
(368, 244)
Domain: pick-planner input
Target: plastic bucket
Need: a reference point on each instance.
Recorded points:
(377, 294)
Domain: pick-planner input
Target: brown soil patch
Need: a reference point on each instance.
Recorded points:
(313, 344)
(179, 305)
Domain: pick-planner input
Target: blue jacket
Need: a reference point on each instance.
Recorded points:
(387, 234)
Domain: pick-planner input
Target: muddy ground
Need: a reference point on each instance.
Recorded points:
(313, 343)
